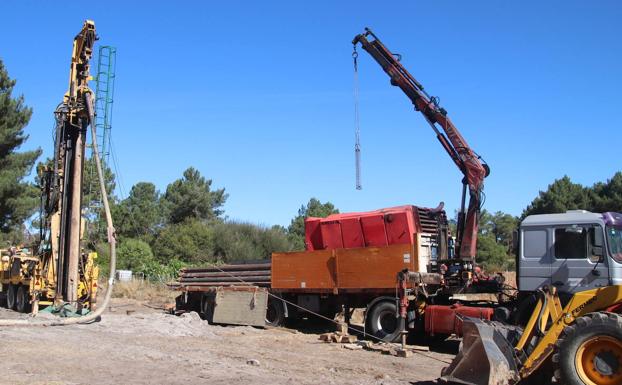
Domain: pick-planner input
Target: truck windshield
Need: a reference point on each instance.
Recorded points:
(614, 239)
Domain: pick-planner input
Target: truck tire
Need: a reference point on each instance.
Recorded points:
(382, 321)
(11, 295)
(22, 299)
(275, 313)
(590, 351)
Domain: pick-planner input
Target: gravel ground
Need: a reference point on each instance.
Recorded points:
(135, 344)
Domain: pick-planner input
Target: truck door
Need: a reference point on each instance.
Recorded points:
(534, 265)
(578, 258)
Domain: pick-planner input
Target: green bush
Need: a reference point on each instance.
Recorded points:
(135, 255)
(190, 241)
(103, 258)
(197, 243)
(237, 241)
(491, 254)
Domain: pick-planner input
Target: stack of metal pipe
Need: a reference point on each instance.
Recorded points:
(255, 274)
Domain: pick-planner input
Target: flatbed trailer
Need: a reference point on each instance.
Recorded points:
(335, 278)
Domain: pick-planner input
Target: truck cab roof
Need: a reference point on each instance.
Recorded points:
(573, 216)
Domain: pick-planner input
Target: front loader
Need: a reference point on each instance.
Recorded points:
(574, 332)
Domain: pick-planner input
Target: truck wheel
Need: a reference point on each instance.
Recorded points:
(382, 321)
(275, 313)
(589, 352)
(11, 295)
(22, 300)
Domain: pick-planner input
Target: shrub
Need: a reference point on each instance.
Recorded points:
(136, 255)
(190, 242)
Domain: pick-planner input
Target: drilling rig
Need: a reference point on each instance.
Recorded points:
(60, 271)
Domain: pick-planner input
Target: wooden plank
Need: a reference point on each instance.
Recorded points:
(352, 346)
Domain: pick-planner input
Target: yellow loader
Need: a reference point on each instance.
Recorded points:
(572, 264)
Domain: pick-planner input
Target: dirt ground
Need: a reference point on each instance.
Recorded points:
(136, 344)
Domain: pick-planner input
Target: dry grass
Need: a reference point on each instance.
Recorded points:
(140, 290)
(510, 278)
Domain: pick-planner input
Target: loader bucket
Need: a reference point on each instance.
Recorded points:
(485, 358)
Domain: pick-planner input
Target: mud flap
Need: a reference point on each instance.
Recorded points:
(486, 356)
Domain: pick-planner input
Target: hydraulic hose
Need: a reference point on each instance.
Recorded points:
(111, 242)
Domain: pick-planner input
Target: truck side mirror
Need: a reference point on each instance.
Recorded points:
(598, 242)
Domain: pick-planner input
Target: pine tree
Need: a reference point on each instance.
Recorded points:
(314, 208)
(18, 198)
(192, 197)
(560, 196)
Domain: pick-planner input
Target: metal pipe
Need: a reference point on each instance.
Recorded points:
(263, 278)
(249, 266)
(72, 277)
(219, 274)
(215, 284)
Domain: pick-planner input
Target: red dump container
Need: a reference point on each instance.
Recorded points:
(390, 226)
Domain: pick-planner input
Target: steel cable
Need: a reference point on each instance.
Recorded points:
(324, 317)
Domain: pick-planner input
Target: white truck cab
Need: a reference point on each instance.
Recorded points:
(574, 251)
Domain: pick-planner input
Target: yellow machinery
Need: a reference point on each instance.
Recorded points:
(572, 264)
(60, 271)
(578, 344)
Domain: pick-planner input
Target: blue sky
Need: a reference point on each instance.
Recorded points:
(259, 95)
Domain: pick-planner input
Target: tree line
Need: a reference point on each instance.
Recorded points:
(160, 232)
(494, 247)
(185, 224)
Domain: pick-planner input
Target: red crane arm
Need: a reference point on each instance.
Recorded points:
(469, 163)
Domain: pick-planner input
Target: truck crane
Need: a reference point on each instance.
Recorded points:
(350, 259)
(474, 169)
(60, 271)
(565, 320)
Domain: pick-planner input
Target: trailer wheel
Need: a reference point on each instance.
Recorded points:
(382, 321)
(11, 295)
(22, 300)
(275, 313)
(589, 352)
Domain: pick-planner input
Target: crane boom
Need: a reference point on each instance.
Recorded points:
(469, 163)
